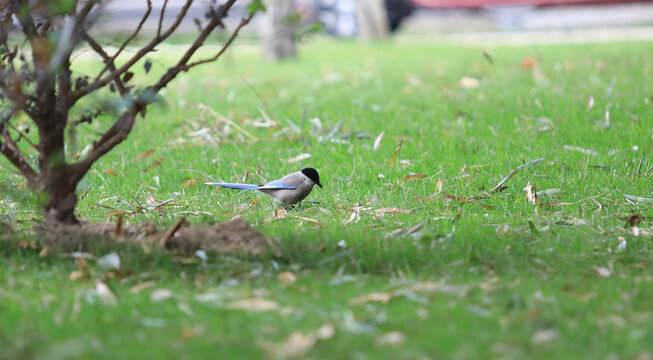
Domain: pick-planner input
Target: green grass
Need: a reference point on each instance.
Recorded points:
(519, 272)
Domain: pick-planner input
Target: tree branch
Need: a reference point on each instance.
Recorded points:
(138, 29)
(9, 149)
(243, 22)
(112, 137)
(182, 64)
(138, 56)
(108, 61)
(163, 11)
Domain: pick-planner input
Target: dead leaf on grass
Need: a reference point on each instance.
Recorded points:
(602, 271)
(254, 304)
(142, 286)
(144, 154)
(531, 195)
(439, 184)
(394, 154)
(391, 338)
(105, 294)
(287, 278)
(468, 82)
(310, 220)
(581, 150)
(394, 210)
(299, 158)
(189, 183)
(372, 297)
(414, 177)
(431, 286)
(160, 295)
(377, 141)
(639, 199)
(110, 261)
(547, 192)
(77, 274)
(154, 164)
(528, 63)
(280, 213)
(544, 336)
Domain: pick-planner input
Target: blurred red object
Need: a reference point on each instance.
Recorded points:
(458, 4)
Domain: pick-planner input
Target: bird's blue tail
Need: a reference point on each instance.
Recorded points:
(235, 186)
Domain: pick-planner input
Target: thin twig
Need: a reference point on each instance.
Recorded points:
(171, 231)
(163, 11)
(97, 84)
(111, 62)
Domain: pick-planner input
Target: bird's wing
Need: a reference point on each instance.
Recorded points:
(235, 186)
(277, 185)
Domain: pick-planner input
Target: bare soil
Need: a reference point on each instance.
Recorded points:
(233, 236)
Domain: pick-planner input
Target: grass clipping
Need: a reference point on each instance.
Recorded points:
(228, 237)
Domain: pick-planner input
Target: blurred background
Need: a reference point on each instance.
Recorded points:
(459, 21)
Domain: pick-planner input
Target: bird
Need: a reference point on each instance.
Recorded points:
(288, 191)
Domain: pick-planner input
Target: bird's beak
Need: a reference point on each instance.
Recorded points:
(320, 185)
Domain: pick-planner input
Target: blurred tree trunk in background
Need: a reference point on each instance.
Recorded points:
(279, 32)
(372, 19)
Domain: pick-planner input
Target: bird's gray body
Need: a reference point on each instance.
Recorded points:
(303, 186)
(288, 190)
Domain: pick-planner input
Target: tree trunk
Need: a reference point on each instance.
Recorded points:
(61, 204)
(280, 30)
(372, 19)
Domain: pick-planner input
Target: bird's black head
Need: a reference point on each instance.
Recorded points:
(313, 175)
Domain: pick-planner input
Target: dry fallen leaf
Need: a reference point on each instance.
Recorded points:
(602, 271)
(439, 184)
(149, 200)
(142, 286)
(189, 183)
(110, 261)
(377, 141)
(192, 332)
(297, 345)
(104, 292)
(544, 336)
(325, 332)
(414, 177)
(531, 195)
(391, 338)
(467, 82)
(109, 172)
(372, 297)
(76, 275)
(581, 150)
(287, 278)
(160, 295)
(280, 213)
(254, 304)
(381, 212)
(299, 158)
(528, 63)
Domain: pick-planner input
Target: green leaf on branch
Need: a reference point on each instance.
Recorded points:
(256, 6)
(62, 7)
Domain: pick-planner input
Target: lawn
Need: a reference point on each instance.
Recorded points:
(416, 247)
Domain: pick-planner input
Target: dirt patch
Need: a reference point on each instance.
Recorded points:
(233, 236)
